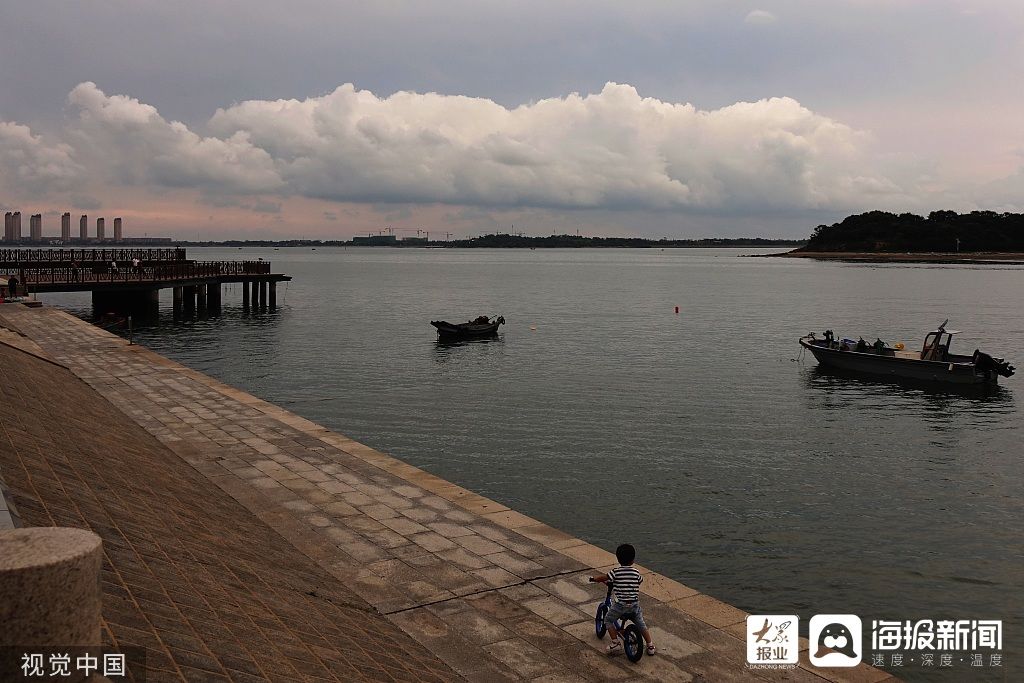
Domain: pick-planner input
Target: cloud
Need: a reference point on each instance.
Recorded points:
(85, 202)
(264, 206)
(29, 162)
(611, 150)
(255, 204)
(144, 148)
(1004, 194)
(760, 17)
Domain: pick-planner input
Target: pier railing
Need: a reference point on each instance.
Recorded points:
(100, 272)
(43, 256)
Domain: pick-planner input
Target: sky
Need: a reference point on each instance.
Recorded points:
(324, 119)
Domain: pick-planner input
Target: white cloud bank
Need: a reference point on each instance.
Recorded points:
(32, 164)
(142, 148)
(760, 17)
(609, 150)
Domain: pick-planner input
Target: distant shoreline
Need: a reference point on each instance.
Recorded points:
(1006, 257)
(475, 243)
(518, 242)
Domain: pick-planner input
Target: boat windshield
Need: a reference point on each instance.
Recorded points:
(936, 344)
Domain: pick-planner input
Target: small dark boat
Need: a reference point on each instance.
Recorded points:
(479, 327)
(933, 363)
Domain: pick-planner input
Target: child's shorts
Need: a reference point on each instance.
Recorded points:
(619, 610)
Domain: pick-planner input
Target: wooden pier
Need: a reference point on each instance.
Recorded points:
(122, 279)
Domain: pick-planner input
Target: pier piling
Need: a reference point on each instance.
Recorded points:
(201, 297)
(245, 295)
(189, 292)
(177, 296)
(273, 295)
(213, 292)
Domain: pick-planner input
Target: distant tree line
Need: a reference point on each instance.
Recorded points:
(941, 231)
(517, 241)
(520, 241)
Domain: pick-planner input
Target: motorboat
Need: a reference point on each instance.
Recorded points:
(933, 363)
(481, 326)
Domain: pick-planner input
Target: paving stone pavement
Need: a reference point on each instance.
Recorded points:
(491, 592)
(209, 590)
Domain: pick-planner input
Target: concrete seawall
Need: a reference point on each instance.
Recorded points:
(465, 586)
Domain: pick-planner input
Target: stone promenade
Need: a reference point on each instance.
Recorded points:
(210, 591)
(491, 593)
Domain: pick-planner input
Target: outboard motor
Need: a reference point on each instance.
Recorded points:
(983, 361)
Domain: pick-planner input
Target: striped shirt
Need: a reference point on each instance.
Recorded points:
(625, 584)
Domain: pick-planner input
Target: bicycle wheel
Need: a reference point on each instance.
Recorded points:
(599, 626)
(633, 643)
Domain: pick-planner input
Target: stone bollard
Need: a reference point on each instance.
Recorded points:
(50, 586)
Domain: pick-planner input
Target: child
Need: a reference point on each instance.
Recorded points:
(625, 580)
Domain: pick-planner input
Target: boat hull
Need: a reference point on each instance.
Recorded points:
(447, 330)
(893, 366)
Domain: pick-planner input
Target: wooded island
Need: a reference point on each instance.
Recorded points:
(941, 232)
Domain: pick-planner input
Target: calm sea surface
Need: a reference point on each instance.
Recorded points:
(733, 465)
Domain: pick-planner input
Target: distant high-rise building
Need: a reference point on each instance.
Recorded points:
(100, 223)
(83, 227)
(35, 227)
(65, 226)
(117, 229)
(16, 226)
(9, 227)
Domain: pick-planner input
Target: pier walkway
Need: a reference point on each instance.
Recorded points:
(490, 592)
(120, 278)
